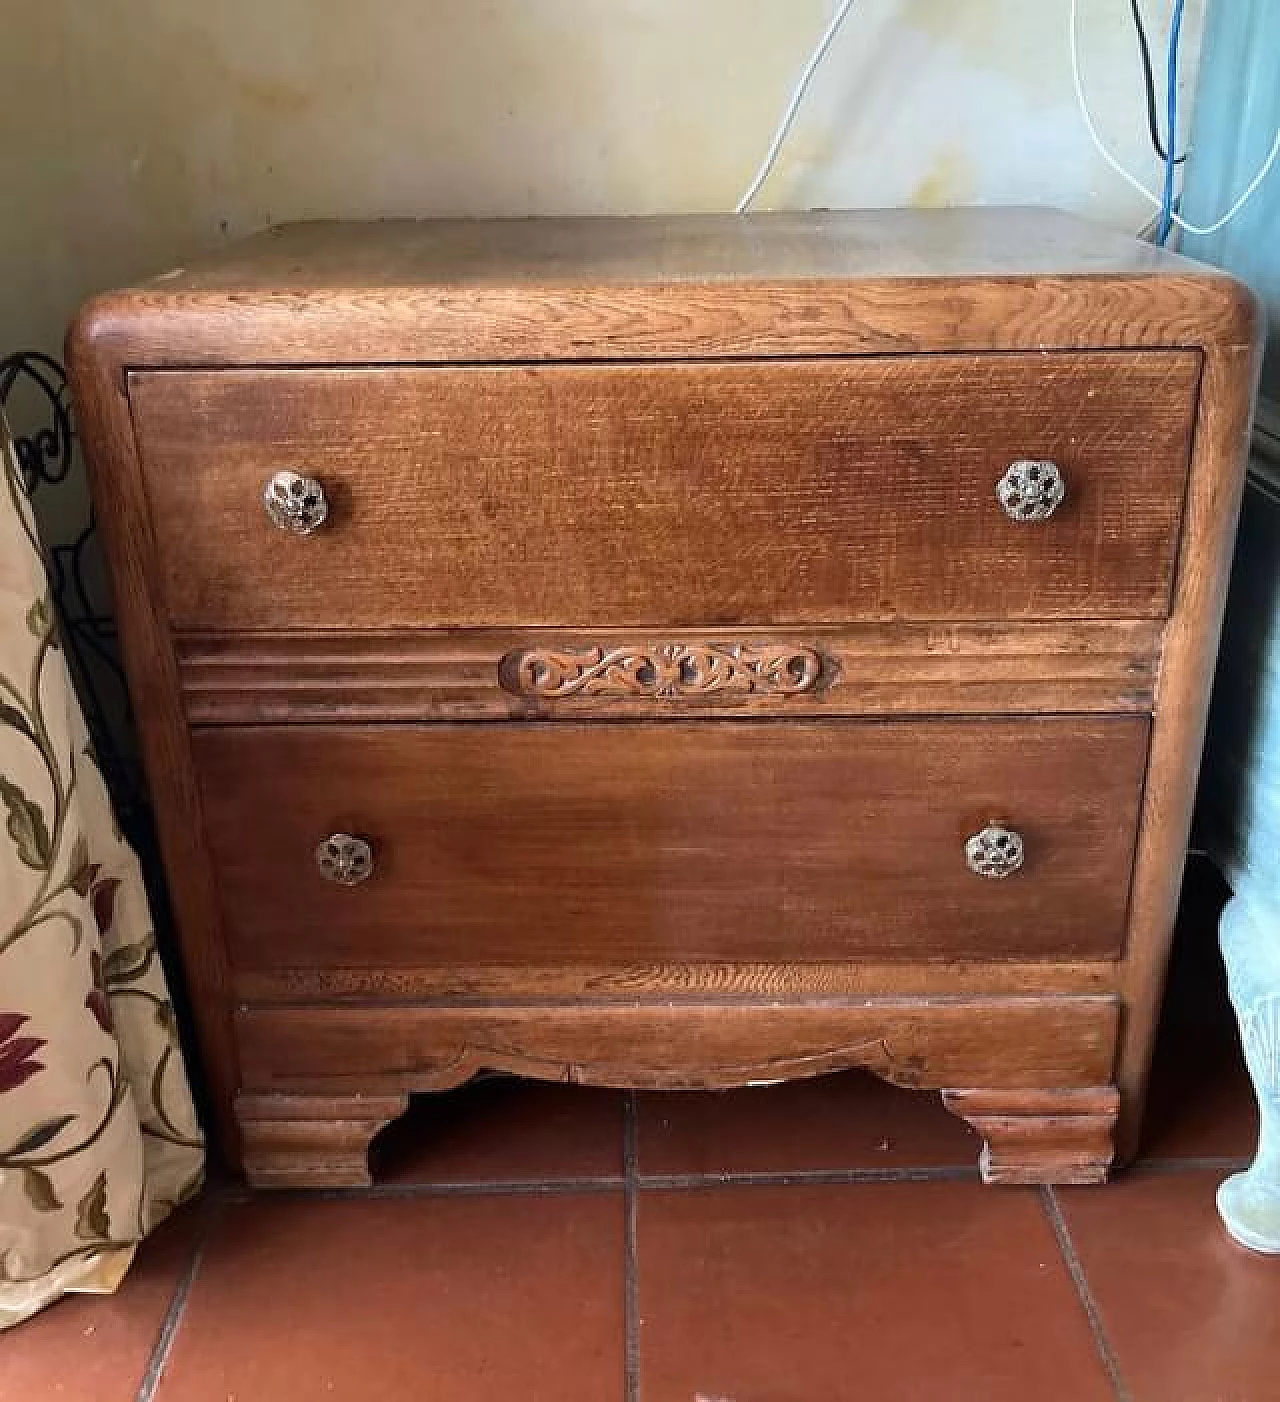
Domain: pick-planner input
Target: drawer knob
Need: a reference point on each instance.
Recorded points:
(295, 503)
(345, 860)
(1031, 491)
(995, 852)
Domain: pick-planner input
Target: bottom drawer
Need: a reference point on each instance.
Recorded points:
(698, 841)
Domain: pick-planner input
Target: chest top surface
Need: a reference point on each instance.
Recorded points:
(823, 282)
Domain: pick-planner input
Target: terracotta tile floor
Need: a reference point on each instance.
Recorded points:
(819, 1242)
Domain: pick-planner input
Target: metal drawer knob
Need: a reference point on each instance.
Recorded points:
(345, 860)
(995, 852)
(295, 503)
(1031, 491)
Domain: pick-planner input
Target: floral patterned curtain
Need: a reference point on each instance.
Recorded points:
(98, 1135)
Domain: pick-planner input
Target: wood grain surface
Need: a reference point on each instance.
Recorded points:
(678, 981)
(105, 427)
(747, 841)
(1041, 1135)
(673, 443)
(539, 255)
(1008, 1044)
(786, 492)
(1182, 705)
(820, 283)
(312, 1141)
(865, 669)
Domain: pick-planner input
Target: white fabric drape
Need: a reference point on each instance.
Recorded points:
(98, 1135)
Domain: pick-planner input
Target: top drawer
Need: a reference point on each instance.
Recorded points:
(800, 491)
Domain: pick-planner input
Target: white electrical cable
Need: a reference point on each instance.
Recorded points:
(793, 106)
(1154, 199)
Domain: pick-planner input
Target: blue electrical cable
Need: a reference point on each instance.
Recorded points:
(1165, 226)
(1103, 150)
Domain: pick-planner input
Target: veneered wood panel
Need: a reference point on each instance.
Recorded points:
(820, 249)
(675, 982)
(744, 841)
(869, 669)
(1004, 1043)
(823, 282)
(1041, 1135)
(1186, 679)
(682, 494)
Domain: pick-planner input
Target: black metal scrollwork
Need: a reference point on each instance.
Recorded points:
(34, 394)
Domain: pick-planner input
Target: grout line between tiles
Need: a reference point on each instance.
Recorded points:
(633, 1179)
(1205, 1163)
(630, 1257)
(482, 1188)
(789, 1178)
(630, 1181)
(1075, 1269)
(163, 1345)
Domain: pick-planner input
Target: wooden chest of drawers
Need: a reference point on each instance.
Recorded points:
(672, 652)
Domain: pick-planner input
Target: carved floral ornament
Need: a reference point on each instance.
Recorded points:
(664, 671)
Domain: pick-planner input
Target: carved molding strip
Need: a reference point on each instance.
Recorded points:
(865, 669)
(667, 671)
